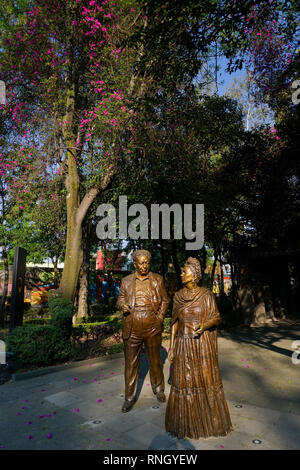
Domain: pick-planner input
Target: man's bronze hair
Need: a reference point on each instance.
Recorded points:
(138, 253)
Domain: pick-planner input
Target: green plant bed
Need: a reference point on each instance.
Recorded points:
(38, 345)
(36, 321)
(115, 348)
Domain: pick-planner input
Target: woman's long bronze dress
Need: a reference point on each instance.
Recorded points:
(196, 406)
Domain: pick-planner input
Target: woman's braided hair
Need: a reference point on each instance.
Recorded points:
(195, 267)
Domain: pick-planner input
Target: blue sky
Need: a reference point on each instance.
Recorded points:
(226, 77)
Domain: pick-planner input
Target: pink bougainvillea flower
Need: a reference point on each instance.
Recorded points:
(77, 410)
(42, 416)
(222, 447)
(29, 422)
(108, 439)
(49, 436)
(99, 401)
(75, 378)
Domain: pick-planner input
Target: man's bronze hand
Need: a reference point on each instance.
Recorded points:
(171, 355)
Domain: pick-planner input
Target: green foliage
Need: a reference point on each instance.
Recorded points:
(37, 321)
(167, 324)
(38, 345)
(61, 311)
(108, 327)
(116, 348)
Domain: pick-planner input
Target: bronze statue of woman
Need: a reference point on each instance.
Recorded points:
(196, 406)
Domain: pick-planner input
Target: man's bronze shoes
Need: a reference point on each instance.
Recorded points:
(127, 405)
(161, 397)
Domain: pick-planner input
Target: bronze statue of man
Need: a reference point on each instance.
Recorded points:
(143, 301)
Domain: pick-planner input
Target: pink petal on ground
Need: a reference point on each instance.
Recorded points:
(30, 437)
(222, 447)
(248, 365)
(100, 401)
(108, 439)
(77, 410)
(49, 436)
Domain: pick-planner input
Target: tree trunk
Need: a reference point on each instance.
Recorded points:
(175, 262)
(221, 277)
(56, 276)
(5, 286)
(83, 296)
(213, 270)
(163, 260)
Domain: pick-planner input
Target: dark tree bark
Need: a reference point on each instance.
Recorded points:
(5, 286)
(175, 261)
(83, 294)
(213, 270)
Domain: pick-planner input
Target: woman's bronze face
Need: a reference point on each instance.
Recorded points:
(187, 275)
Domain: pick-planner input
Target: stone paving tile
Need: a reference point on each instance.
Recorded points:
(151, 436)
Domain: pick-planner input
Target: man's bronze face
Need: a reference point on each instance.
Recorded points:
(142, 265)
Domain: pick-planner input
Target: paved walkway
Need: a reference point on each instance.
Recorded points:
(80, 407)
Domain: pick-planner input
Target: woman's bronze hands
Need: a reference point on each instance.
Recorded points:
(200, 328)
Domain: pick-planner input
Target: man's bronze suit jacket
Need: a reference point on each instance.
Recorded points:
(159, 300)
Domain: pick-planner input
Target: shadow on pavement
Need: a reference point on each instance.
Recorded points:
(144, 367)
(265, 336)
